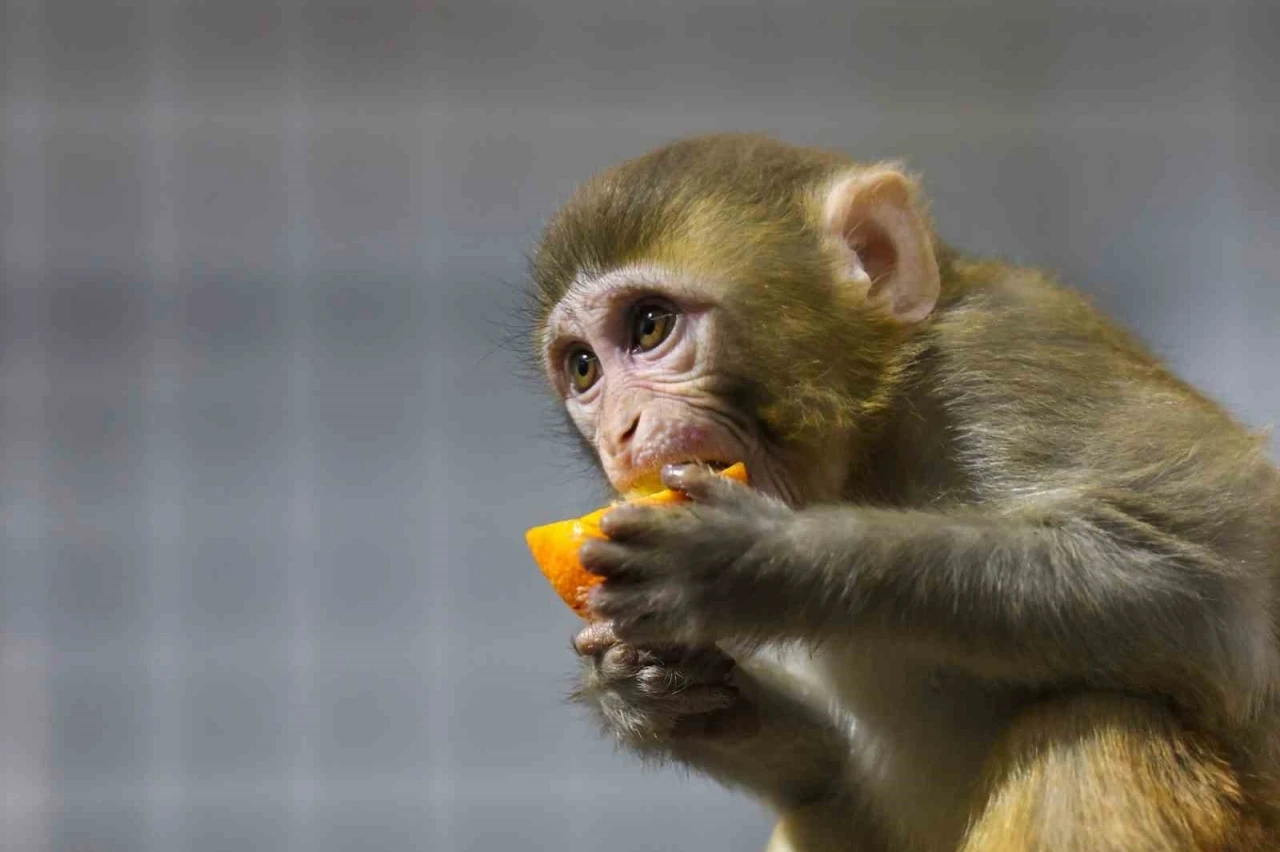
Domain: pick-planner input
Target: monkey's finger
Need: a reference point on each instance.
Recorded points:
(596, 638)
(702, 485)
(628, 522)
(623, 662)
(607, 559)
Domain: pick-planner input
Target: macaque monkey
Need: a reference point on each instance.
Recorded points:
(1000, 583)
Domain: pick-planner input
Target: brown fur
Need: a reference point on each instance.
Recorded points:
(1104, 773)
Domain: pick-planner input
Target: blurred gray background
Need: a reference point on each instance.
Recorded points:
(264, 465)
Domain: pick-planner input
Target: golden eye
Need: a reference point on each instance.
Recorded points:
(583, 368)
(650, 326)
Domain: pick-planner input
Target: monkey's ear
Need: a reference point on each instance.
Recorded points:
(872, 212)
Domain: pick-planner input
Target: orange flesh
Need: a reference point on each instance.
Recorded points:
(555, 546)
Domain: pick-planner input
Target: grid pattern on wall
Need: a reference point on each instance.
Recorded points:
(262, 463)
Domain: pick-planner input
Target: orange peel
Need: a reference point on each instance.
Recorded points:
(555, 546)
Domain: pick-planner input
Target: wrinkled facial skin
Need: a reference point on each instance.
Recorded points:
(643, 405)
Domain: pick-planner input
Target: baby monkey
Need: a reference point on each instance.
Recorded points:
(1001, 582)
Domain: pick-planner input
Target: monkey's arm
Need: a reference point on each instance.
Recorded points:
(1079, 591)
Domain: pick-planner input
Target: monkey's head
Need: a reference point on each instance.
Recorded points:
(730, 298)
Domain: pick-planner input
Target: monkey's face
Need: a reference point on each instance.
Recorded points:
(643, 358)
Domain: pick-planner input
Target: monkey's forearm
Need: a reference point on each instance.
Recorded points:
(1057, 594)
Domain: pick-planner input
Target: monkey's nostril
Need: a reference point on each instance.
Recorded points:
(631, 430)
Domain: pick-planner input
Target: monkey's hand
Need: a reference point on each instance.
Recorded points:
(694, 573)
(745, 725)
(648, 697)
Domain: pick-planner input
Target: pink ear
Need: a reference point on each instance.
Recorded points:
(890, 251)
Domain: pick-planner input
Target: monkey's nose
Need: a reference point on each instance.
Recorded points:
(615, 441)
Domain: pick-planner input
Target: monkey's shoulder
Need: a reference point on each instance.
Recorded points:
(1006, 334)
(1004, 312)
(1041, 389)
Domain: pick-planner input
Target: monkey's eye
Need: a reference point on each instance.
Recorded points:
(650, 325)
(583, 368)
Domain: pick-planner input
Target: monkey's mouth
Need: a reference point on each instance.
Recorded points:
(650, 481)
(716, 466)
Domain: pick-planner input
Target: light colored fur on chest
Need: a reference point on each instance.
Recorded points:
(921, 733)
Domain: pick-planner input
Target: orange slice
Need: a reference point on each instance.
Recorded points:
(555, 546)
